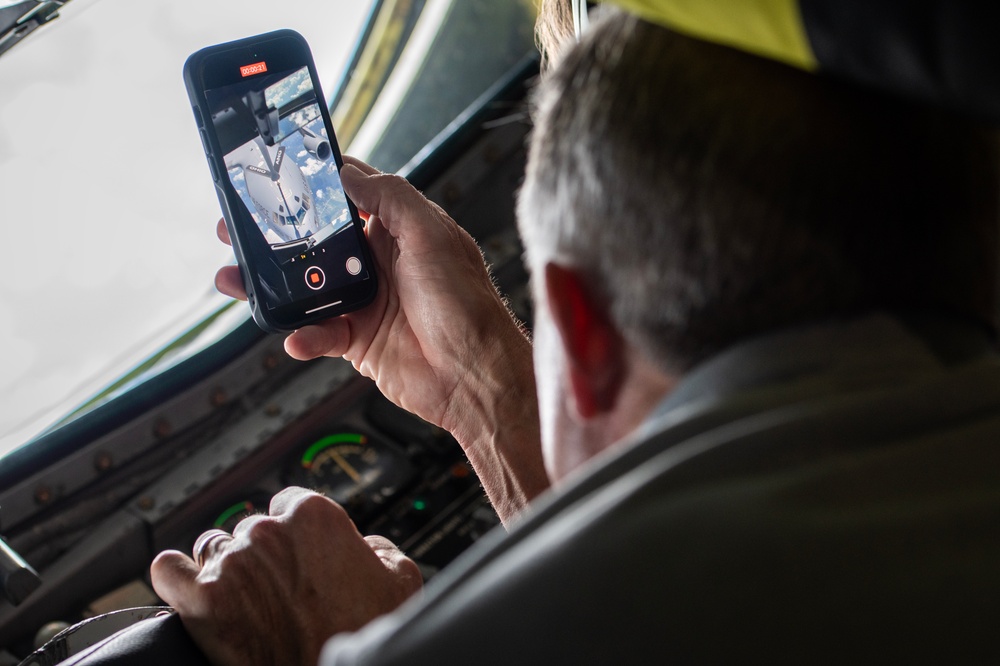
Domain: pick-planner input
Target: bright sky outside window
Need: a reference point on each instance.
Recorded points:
(108, 205)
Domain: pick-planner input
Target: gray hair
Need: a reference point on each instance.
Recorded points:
(708, 195)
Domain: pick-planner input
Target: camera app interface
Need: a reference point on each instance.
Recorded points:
(281, 165)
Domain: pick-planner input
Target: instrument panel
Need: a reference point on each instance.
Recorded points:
(356, 470)
(395, 475)
(424, 498)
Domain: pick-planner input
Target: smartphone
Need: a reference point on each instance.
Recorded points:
(299, 241)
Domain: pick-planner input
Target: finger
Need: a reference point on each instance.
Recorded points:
(389, 197)
(223, 232)
(247, 524)
(328, 338)
(352, 179)
(396, 561)
(384, 548)
(358, 185)
(208, 545)
(362, 166)
(283, 502)
(229, 282)
(173, 576)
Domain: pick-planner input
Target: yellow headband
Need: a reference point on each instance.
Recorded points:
(769, 28)
(939, 51)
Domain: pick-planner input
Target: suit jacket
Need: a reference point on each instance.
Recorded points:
(822, 495)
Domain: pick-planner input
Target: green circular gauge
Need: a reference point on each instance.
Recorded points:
(227, 519)
(352, 469)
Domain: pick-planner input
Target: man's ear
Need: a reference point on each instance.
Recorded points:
(593, 346)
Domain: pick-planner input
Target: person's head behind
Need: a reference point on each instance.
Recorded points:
(709, 196)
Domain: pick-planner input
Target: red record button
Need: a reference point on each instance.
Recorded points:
(315, 278)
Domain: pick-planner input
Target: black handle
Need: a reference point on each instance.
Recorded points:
(18, 578)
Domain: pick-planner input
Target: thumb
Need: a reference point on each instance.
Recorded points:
(173, 575)
(355, 186)
(389, 197)
(406, 570)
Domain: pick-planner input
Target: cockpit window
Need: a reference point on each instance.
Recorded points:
(108, 196)
(108, 206)
(454, 52)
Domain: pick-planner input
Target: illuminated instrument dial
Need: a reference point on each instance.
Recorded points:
(352, 469)
(256, 502)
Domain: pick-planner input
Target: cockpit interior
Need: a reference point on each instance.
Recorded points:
(196, 418)
(205, 430)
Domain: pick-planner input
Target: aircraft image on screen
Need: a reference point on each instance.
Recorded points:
(278, 188)
(281, 163)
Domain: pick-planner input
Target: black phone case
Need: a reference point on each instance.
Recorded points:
(291, 49)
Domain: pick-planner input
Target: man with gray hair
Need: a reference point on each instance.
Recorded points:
(766, 390)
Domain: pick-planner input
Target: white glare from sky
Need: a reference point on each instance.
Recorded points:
(108, 208)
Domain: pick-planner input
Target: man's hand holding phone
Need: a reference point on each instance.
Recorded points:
(420, 314)
(437, 339)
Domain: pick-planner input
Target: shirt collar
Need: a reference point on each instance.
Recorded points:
(846, 353)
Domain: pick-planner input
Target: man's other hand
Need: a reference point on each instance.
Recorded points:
(282, 584)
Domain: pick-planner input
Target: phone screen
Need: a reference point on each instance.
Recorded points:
(300, 230)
